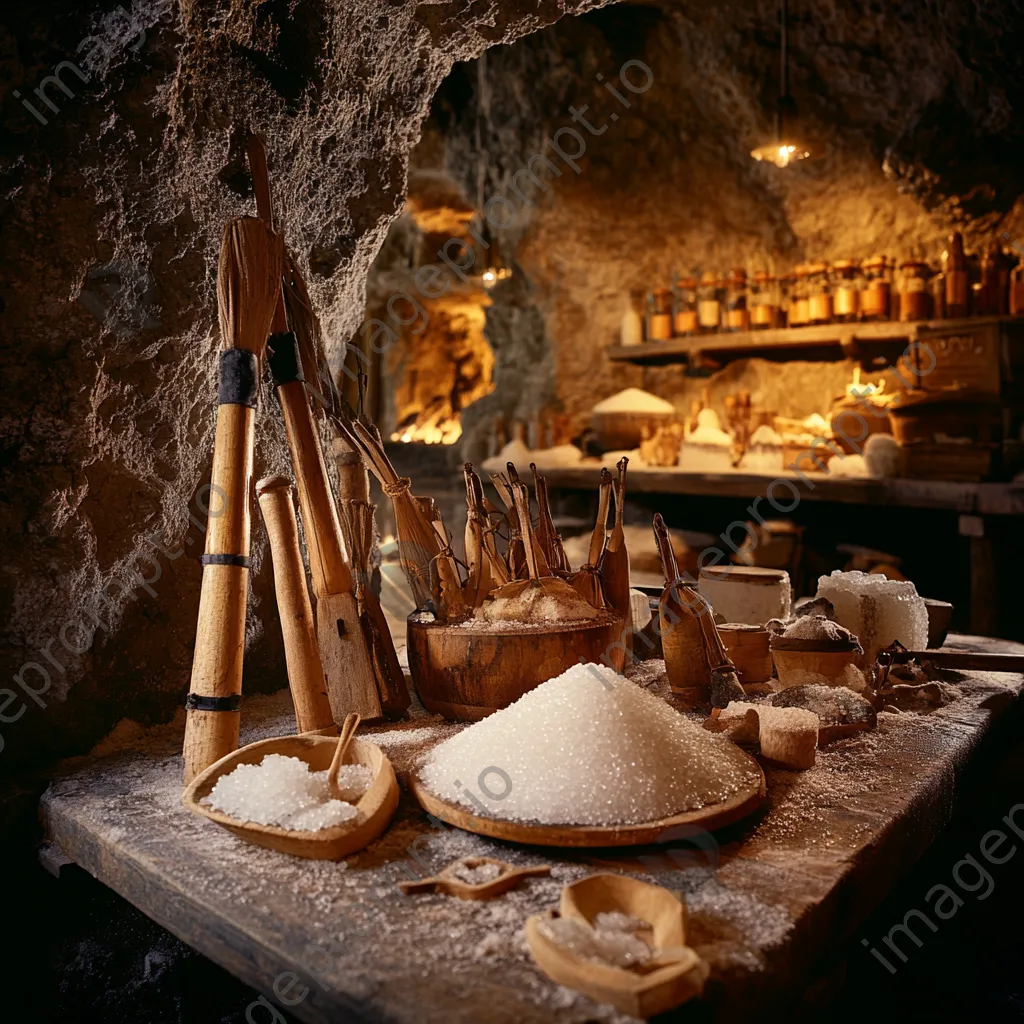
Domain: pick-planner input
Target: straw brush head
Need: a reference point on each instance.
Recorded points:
(248, 283)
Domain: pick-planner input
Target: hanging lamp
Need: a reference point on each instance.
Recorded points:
(787, 147)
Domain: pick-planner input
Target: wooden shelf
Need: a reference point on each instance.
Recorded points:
(966, 498)
(826, 341)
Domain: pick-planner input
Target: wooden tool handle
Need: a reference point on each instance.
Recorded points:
(522, 502)
(980, 661)
(353, 477)
(306, 678)
(348, 732)
(668, 556)
(327, 562)
(212, 718)
(601, 526)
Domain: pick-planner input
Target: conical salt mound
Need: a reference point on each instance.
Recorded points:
(586, 748)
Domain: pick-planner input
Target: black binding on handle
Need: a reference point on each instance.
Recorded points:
(197, 702)
(240, 560)
(284, 358)
(239, 378)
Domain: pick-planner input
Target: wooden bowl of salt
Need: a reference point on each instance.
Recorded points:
(666, 975)
(374, 808)
(468, 671)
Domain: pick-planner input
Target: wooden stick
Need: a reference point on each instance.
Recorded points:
(615, 572)
(247, 281)
(547, 535)
(600, 534)
(346, 660)
(353, 477)
(345, 738)
(306, 678)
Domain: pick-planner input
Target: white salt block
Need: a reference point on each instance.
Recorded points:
(738, 721)
(789, 736)
(877, 610)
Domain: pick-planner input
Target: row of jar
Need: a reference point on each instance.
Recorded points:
(841, 292)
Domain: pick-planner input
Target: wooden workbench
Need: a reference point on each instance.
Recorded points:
(771, 900)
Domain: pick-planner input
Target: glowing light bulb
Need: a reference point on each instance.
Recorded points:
(489, 278)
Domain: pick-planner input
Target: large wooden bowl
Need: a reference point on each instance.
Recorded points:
(376, 806)
(467, 674)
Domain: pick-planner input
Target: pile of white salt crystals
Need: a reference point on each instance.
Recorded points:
(588, 747)
(283, 792)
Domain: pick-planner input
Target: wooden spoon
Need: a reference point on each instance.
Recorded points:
(348, 732)
(448, 881)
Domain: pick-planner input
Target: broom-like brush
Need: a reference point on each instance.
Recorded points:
(248, 283)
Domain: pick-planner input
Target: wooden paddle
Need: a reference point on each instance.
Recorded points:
(357, 525)
(343, 650)
(248, 281)
(306, 678)
(615, 572)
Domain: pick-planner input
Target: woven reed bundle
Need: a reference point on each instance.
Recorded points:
(418, 542)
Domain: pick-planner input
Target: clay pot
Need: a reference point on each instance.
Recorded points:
(940, 614)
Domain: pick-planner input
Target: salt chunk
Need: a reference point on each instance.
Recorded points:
(589, 748)
(486, 872)
(877, 610)
(789, 736)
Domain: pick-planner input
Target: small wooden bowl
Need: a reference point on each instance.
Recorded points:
(467, 674)
(794, 658)
(376, 806)
(676, 975)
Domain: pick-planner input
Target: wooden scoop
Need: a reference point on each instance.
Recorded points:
(376, 806)
(448, 881)
(675, 973)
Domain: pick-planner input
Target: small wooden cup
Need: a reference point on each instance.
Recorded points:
(749, 650)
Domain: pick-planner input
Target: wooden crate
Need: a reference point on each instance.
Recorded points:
(969, 357)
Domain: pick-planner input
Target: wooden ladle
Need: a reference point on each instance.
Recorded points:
(348, 732)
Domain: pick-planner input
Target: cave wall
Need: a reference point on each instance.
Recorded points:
(111, 210)
(916, 104)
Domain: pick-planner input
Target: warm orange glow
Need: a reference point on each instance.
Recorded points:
(436, 430)
(782, 154)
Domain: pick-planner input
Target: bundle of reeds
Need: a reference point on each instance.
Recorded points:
(248, 283)
(418, 542)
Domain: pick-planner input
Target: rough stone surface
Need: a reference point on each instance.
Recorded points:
(917, 107)
(111, 218)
